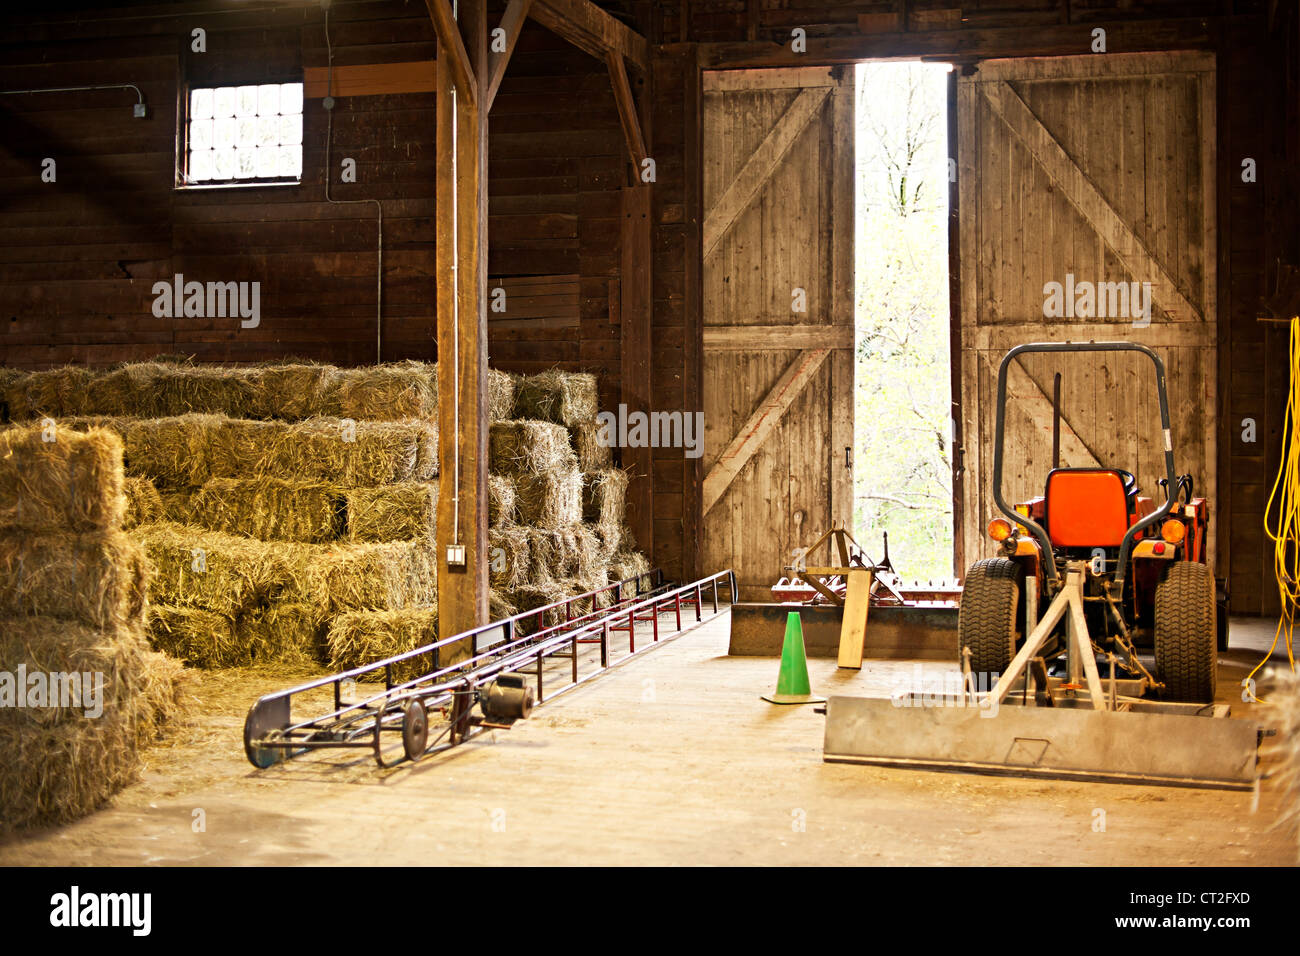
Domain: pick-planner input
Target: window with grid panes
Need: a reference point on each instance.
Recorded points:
(243, 135)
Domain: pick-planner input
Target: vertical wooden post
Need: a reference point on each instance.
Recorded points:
(462, 331)
(636, 294)
(955, 409)
(693, 312)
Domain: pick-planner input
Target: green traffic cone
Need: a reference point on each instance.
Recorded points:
(792, 683)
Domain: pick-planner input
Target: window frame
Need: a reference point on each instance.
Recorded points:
(184, 99)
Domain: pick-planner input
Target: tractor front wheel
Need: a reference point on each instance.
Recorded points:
(986, 621)
(1186, 638)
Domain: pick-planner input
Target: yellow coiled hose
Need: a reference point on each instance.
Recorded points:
(1282, 524)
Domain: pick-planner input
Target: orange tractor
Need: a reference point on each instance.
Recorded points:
(1141, 569)
(1088, 572)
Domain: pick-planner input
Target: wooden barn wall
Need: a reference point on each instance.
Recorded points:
(1260, 226)
(1258, 223)
(78, 257)
(77, 260)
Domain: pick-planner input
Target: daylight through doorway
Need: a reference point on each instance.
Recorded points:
(902, 421)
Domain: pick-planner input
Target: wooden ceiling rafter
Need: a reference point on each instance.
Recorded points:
(512, 22)
(592, 30)
(450, 40)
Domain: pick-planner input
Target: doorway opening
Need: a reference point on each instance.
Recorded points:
(903, 397)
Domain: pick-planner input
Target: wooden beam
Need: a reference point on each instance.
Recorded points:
(592, 30)
(853, 626)
(1159, 335)
(955, 354)
(636, 297)
(748, 338)
(627, 114)
(746, 81)
(461, 281)
(370, 79)
(760, 425)
(512, 22)
(692, 116)
(1122, 36)
(453, 44)
(761, 164)
(1084, 195)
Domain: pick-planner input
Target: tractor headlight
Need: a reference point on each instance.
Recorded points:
(1173, 531)
(1000, 529)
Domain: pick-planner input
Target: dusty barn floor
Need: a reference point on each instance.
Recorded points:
(670, 759)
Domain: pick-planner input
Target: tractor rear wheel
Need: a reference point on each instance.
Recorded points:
(986, 621)
(1185, 633)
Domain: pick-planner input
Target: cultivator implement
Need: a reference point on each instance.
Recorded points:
(504, 678)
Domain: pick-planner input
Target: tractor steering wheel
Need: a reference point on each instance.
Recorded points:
(1130, 482)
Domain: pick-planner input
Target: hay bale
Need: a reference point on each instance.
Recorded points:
(566, 398)
(116, 424)
(56, 393)
(401, 512)
(172, 451)
(391, 577)
(291, 391)
(538, 594)
(144, 505)
(628, 564)
(358, 638)
(270, 509)
(60, 764)
(591, 563)
(165, 389)
(556, 553)
(59, 773)
(502, 501)
(281, 633)
(604, 497)
(128, 391)
(97, 578)
(583, 585)
(200, 637)
(552, 500)
(529, 448)
(499, 607)
(284, 633)
(219, 572)
(239, 575)
(609, 539)
(510, 557)
(189, 450)
(15, 380)
(394, 392)
(73, 482)
(378, 453)
(500, 395)
(593, 454)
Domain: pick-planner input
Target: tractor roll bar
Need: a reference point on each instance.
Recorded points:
(1037, 530)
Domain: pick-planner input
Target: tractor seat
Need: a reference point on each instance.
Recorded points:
(1086, 508)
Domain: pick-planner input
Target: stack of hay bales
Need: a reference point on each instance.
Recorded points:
(72, 602)
(570, 498)
(289, 510)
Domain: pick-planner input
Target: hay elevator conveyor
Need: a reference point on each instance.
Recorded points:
(513, 666)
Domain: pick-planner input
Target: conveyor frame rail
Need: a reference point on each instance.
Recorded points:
(271, 735)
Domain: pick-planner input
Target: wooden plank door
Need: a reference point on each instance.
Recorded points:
(1087, 169)
(778, 316)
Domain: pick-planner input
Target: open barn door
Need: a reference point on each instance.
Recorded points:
(778, 315)
(1082, 171)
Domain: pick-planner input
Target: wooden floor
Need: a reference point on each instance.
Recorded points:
(670, 759)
